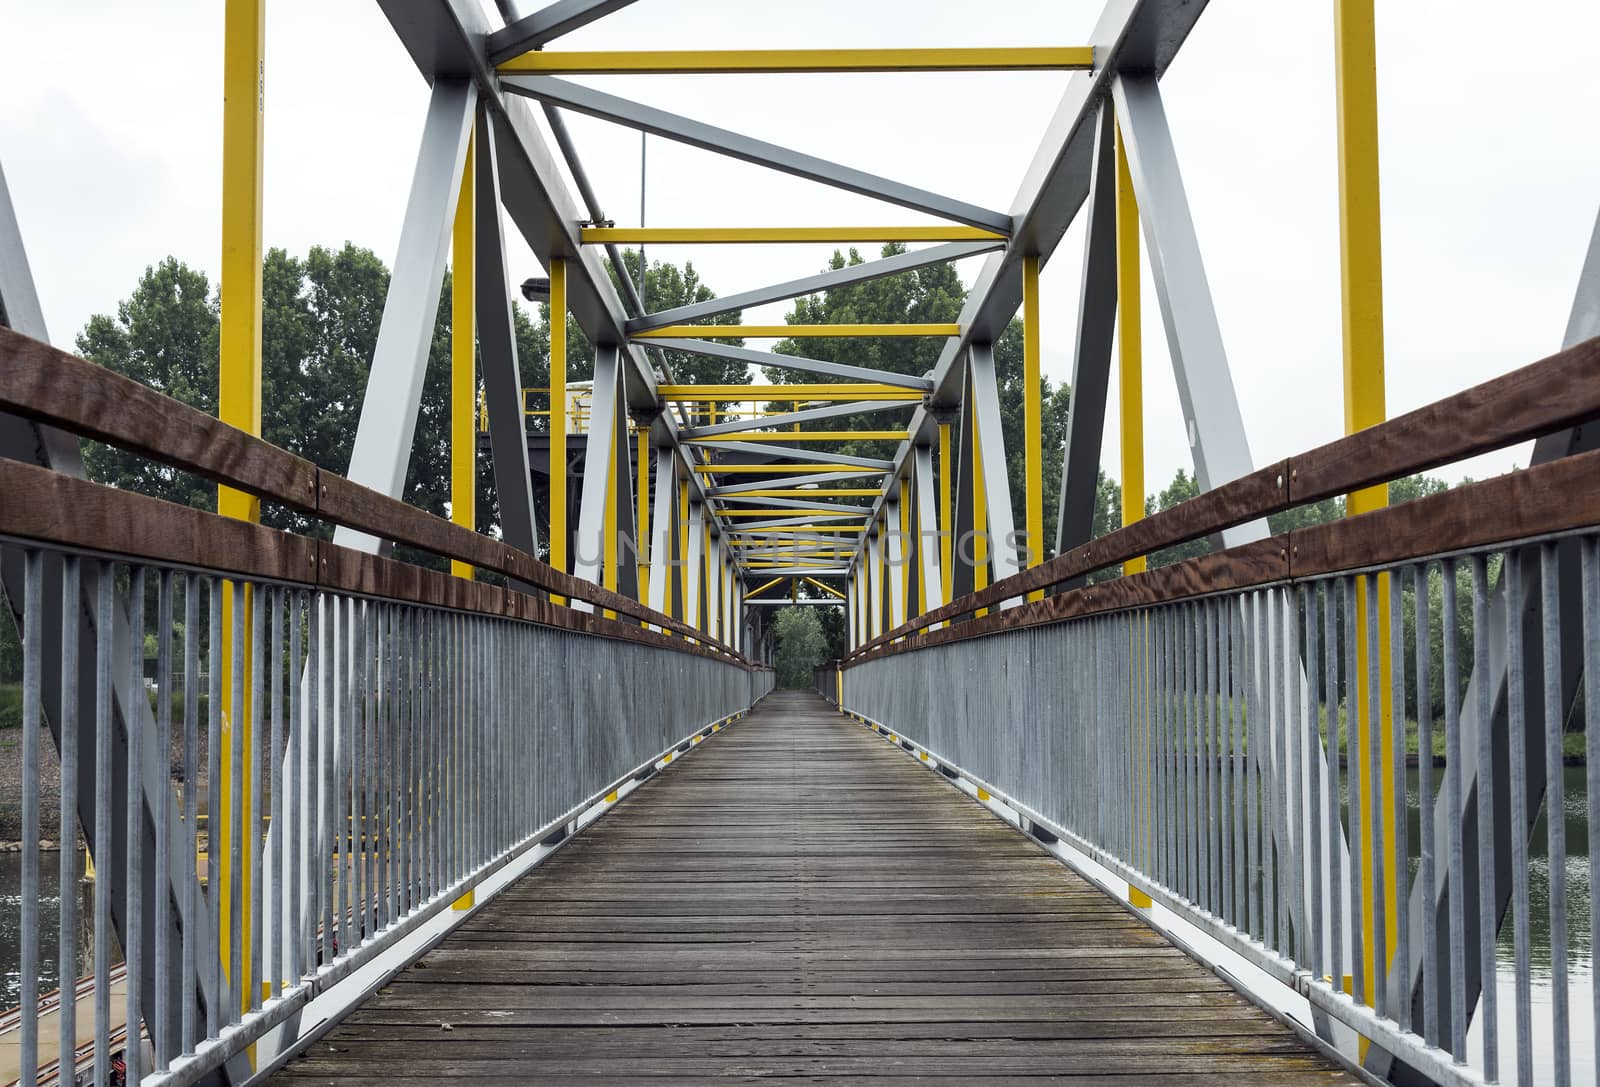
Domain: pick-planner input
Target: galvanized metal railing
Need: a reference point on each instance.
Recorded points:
(402, 733)
(1229, 736)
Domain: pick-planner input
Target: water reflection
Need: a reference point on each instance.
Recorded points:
(49, 921)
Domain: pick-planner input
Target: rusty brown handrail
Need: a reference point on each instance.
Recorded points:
(1555, 393)
(50, 386)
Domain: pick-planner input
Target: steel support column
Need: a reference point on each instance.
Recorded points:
(598, 472)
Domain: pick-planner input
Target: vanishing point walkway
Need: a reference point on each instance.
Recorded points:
(801, 901)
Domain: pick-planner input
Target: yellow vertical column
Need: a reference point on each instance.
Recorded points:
(239, 404)
(1130, 378)
(1032, 417)
(558, 417)
(706, 623)
(464, 382)
(1130, 350)
(1361, 291)
(463, 375)
(641, 523)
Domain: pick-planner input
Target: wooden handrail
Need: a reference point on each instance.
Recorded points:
(1553, 394)
(50, 386)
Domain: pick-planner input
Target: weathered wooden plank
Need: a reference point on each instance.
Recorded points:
(800, 901)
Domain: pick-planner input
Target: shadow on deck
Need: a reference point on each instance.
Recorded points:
(800, 900)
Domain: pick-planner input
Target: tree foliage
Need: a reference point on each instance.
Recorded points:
(801, 645)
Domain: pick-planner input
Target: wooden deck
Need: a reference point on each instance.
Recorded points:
(798, 900)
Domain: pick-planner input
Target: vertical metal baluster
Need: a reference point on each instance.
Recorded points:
(273, 913)
(1271, 668)
(1423, 641)
(1240, 726)
(373, 665)
(1253, 740)
(294, 808)
(1452, 792)
(391, 838)
(328, 708)
(133, 927)
(102, 823)
(32, 694)
(1313, 756)
(1591, 770)
(191, 810)
(217, 1007)
(1229, 748)
(1354, 771)
(1185, 787)
(1400, 996)
(1488, 1002)
(1205, 718)
(1294, 789)
(259, 709)
(313, 833)
(347, 807)
(1278, 615)
(1555, 812)
(161, 1025)
(67, 956)
(236, 827)
(358, 775)
(1374, 809)
(1334, 822)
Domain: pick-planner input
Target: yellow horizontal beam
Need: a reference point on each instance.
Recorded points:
(744, 235)
(762, 61)
(789, 469)
(787, 392)
(778, 535)
(770, 332)
(812, 436)
(809, 492)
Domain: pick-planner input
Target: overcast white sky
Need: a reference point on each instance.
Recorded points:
(110, 135)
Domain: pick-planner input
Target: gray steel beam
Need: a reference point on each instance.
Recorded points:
(601, 447)
(803, 602)
(796, 504)
(805, 519)
(732, 353)
(802, 571)
(789, 452)
(928, 528)
(388, 422)
(805, 415)
(693, 572)
(661, 534)
(1091, 361)
(546, 25)
(894, 559)
(623, 494)
(623, 111)
(1217, 438)
(497, 344)
(998, 521)
(847, 276)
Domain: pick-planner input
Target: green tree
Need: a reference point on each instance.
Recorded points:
(801, 645)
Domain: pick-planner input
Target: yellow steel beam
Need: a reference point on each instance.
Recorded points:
(812, 436)
(1032, 417)
(463, 375)
(1130, 349)
(558, 417)
(239, 404)
(758, 61)
(761, 589)
(825, 588)
(1361, 292)
(771, 332)
(753, 235)
(845, 516)
(844, 391)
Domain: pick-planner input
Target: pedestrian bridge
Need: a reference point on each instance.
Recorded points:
(1064, 810)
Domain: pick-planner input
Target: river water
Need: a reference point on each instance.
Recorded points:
(1579, 950)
